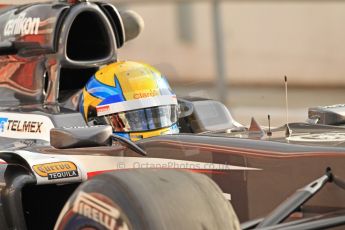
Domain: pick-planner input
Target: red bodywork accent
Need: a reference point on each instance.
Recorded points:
(95, 173)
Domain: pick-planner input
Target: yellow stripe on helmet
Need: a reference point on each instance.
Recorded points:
(138, 83)
(106, 74)
(136, 136)
(89, 101)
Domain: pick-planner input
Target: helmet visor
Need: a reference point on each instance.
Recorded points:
(143, 119)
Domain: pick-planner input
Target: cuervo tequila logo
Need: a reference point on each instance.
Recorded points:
(22, 25)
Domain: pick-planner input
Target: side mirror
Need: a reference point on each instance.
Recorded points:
(185, 108)
(76, 137)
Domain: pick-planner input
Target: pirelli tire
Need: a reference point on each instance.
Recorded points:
(148, 199)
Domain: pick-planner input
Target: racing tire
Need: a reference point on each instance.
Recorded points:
(148, 199)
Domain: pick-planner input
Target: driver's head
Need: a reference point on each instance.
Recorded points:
(134, 98)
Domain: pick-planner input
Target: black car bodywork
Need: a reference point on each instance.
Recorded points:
(49, 51)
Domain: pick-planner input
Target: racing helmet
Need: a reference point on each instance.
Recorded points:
(134, 98)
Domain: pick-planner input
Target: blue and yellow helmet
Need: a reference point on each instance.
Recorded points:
(134, 98)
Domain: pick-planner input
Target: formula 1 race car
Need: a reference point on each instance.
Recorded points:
(58, 172)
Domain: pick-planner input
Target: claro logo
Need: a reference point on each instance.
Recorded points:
(150, 93)
(22, 25)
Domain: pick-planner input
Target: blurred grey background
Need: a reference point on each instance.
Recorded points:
(239, 51)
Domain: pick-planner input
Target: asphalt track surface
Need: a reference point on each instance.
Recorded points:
(245, 102)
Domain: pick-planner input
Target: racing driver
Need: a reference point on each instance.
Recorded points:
(134, 98)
